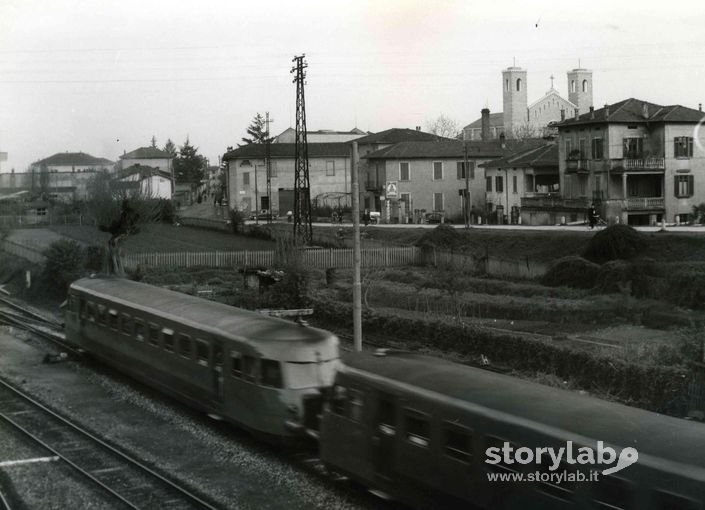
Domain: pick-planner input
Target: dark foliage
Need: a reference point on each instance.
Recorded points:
(571, 271)
(64, 264)
(236, 221)
(94, 257)
(615, 242)
(443, 236)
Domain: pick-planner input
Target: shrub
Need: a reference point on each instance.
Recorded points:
(63, 265)
(443, 236)
(259, 232)
(94, 257)
(571, 271)
(615, 242)
(237, 221)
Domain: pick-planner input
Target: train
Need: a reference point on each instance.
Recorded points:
(415, 428)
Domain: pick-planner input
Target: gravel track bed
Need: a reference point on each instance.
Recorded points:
(224, 463)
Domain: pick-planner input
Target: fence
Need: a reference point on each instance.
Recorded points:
(319, 258)
(20, 250)
(29, 220)
(521, 268)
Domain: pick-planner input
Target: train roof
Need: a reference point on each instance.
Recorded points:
(650, 433)
(209, 315)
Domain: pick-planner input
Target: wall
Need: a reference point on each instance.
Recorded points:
(694, 166)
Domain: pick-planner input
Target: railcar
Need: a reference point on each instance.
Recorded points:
(262, 373)
(418, 428)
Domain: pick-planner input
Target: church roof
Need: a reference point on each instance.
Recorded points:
(633, 111)
(496, 120)
(552, 92)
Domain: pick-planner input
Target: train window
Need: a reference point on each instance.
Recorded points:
(612, 493)
(355, 402)
(418, 428)
(126, 324)
(338, 400)
(236, 363)
(139, 330)
(168, 339)
(113, 319)
(249, 368)
(271, 373)
(101, 314)
(218, 354)
(153, 334)
(457, 442)
(90, 311)
(387, 417)
(670, 501)
(202, 352)
(185, 346)
(548, 484)
(496, 442)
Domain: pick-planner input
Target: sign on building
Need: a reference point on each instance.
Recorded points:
(391, 189)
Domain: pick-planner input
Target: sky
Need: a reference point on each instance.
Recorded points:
(103, 77)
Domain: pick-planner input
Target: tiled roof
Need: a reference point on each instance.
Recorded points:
(496, 120)
(537, 157)
(287, 150)
(74, 159)
(632, 111)
(147, 153)
(453, 149)
(143, 171)
(396, 135)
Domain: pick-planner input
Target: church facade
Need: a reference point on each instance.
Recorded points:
(519, 119)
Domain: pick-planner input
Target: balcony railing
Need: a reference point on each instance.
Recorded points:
(554, 203)
(645, 203)
(637, 164)
(577, 165)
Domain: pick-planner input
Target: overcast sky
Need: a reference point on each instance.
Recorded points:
(104, 77)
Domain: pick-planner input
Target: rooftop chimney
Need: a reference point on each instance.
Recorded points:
(502, 140)
(607, 111)
(485, 132)
(700, 107)
(418, 128)
(577, 113)
(592, 112)
(645, 110)
(562, 114)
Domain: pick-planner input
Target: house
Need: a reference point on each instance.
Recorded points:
(63, 176)
(520, 119)
(515, 183)
(149, 157)
(329, 176)
(430, 176)
(320, 136)
(639, 162)
(151, 182)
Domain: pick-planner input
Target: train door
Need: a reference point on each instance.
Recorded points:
(385, 434)
(217, 371)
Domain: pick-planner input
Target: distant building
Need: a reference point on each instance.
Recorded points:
(63, 176)
(149, 181)
(519, 119)
(148, 157)
(320, 136)
(639, 162)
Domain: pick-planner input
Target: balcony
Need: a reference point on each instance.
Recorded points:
(554, 203)
(644, 203)
(637, 164)
(577, 166)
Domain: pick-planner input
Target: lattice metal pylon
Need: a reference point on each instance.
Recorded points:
(303, 231)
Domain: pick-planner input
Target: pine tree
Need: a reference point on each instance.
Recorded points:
(170, 147)
(257, 131)
(189, 166)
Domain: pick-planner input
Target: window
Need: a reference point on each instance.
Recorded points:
(518, 84)
(184, 345)
(139, 330)
(418, 430)
(437, 170)
(404, 171)
(585, 85)
(168, 339)
(499, 184)
(153, 334)
(218, 355)
(406, 198)
(330, 168)
(271, 373)
(236, 364)
(514, 184)
(488, 182)
(572, 85)
(356, 405)
(113, 319)
(202, 352)
(612, 493)
(496, 442)
(633, 147)
(249, 368)
(387, 417)
(568, 148)
(684, 186)
(457, 442)
(461, 169)
(438, 201)
(582, 148)
(597, 148)
(273, 169)
(90, 311)
(563, 490)
(126, 324)
(506, 85)
(683, 147)
(245, 178)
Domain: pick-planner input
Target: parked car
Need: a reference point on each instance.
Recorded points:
(434, 217)
(263, 215)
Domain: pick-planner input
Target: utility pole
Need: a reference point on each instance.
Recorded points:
(268, 162)
(467, 188)
(303, 230)
(357, 288)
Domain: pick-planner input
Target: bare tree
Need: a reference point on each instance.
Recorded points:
(526, 130)
(119, 211)
(444, 126)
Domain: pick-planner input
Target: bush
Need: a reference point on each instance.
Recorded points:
(443, 236)
(259, 232)
(94, 257)
(237, 221)
(571, 271)
(64, 264)
(615, 242)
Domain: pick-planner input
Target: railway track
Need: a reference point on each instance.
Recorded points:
(124, 478)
